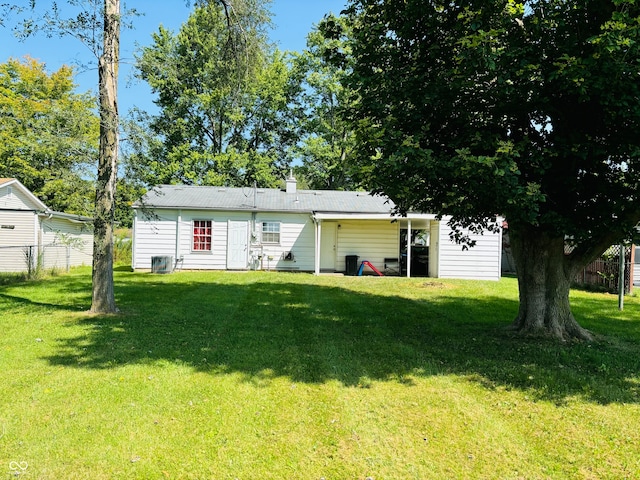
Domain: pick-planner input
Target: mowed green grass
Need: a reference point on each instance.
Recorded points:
(277, 375)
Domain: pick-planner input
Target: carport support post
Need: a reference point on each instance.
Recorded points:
(408, 248)
(318, 243)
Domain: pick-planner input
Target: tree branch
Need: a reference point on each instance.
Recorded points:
(586, 252)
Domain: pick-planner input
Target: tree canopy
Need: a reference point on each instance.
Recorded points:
(327, 141)
(528, 110)
(224, 112)
(48, 134)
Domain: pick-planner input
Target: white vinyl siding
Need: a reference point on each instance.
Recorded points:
(45, 236)
(169, 232)
(22, 227)
(155, 236)
(216, 258)
(65, 243)
(12, 197)
(480, 262)
(14, 241)
(371, 240)
(23, 231)
(296, 236)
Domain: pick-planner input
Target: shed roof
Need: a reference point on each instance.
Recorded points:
(39, 206)
(263, 199)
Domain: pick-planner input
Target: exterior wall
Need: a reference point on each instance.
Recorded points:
(372, 240)
(297, 235)
(16, 200)
(21, 228)
(216, 259)
(14, 240)
(481, 262)
(79, 251)
(18, 228)
(154, 236)
(43, 236)
(157, 237)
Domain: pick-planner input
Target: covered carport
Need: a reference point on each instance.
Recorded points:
(372, 235)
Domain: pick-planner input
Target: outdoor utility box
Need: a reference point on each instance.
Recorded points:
(161, 264)
(351, 265)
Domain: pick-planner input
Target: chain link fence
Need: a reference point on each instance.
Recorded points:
(604, 272)
(31, 258)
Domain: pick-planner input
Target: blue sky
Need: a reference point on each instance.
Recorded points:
(293, 20)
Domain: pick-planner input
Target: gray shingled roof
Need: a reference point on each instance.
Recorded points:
(261, 199)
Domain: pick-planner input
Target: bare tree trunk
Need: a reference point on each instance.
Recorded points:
(103, 298)
(544, 280)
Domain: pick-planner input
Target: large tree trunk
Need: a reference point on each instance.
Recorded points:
(103, 298)
(544, 279)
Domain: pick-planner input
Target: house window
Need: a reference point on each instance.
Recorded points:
(270, 232)
(202, 235)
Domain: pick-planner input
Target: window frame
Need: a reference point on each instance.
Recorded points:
(270, 232)
(202, 236)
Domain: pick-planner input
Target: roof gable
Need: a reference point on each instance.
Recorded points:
(15, 195)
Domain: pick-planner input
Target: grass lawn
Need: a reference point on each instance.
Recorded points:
(274, 375)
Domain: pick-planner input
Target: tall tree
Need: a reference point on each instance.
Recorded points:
(328, 142)
(530, 110)
(48, 133)
(223, 98)
(95, 23)
(103, 296)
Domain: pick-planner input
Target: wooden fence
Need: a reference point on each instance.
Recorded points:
(603, 273)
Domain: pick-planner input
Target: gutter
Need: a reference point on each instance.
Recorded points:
(67, 216)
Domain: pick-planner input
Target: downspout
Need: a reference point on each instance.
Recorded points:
(255, 258)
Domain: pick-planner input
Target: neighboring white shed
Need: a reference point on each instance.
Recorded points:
(31, 233)
(220, 228)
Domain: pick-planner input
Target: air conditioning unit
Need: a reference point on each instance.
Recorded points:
(161, 264)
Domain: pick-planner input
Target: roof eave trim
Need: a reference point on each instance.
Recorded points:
(326, 215)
